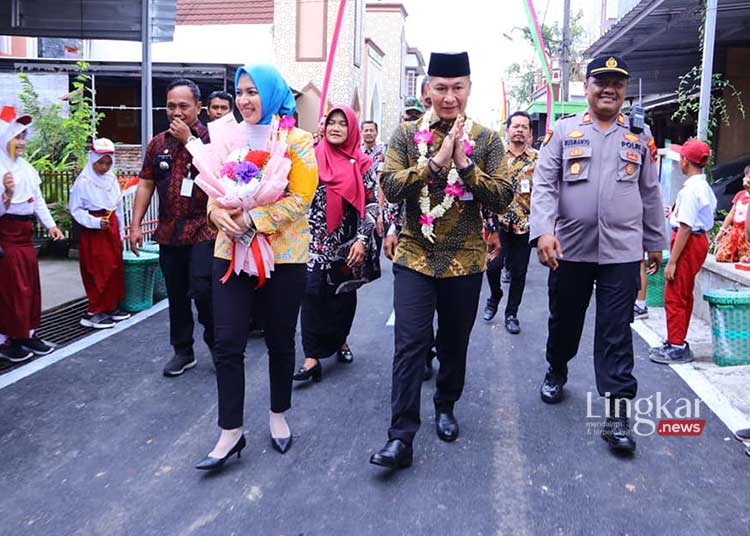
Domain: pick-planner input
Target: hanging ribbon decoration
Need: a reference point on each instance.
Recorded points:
(329, 64)
(536, 34)
(503, 104)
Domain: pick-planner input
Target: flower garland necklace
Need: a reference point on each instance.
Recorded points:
(423, 137)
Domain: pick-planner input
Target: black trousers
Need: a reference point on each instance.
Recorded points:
(515, 254)
(278, 303)
(570, 289)
(326, 322)
(187, 275)
(416, 297)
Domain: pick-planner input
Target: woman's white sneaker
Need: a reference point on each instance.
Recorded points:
(97, 321)
(118, 316)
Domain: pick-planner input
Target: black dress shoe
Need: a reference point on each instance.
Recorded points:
(490, 310)
(512, 325)
(345, 355)
(395, 455)
(446, 425)
(552, 388)
(617, 434)
(315, 372)
(210, 463)
(616, 431)
(281, 444)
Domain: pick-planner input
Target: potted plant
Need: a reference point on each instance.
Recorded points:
(64, 220)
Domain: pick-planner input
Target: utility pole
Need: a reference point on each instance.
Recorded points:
(565, 63)
(709, 35)
(146, 88)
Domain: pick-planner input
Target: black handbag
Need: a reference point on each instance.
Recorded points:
(348, 279)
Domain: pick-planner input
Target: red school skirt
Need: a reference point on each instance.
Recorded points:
(20, 290)
(100, 252)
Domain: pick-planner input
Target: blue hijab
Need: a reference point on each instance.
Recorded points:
(275, 95)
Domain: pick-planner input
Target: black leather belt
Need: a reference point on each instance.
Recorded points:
(694, 233)
(17, 217)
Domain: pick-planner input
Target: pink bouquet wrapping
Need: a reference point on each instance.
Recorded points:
(236, 177)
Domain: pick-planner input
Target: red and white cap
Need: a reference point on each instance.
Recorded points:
(8, 117)
(694, 150)
(103, 146)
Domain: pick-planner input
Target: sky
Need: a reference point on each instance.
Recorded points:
(477, 26)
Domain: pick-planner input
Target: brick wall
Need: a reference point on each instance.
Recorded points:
(128, 158)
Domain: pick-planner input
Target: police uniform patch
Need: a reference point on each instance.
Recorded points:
(587, 117)
(652, 148)
(547, 137)
(631, 137)
(575, 134)
(630, 169)
(621, 119)
(575, 168)
(576, 152)
(633, 157)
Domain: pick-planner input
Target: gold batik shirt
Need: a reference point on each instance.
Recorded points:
(521, 167)
(459, 248)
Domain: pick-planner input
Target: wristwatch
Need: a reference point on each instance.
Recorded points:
(465, 170)
(248, 220)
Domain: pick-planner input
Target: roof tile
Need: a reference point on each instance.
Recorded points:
(197, 12)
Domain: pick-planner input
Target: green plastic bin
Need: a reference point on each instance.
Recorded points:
(730, 325)
(139, 281)
(655, 284)
(160, 286)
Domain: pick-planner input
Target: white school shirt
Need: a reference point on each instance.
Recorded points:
(27, 198)
(95, 193)
(695, 205)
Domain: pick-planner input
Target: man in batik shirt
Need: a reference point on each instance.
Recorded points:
(445, 175)
(376, 152)
(511, 228)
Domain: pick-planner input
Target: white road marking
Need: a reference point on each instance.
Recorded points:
(58, 355)
(712, 397)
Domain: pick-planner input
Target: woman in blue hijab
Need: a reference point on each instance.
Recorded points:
(261, 94)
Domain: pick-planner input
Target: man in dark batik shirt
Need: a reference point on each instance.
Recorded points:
(186, 244)
(376, 151)
(440, 258)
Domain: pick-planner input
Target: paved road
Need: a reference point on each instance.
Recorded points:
(101, 444)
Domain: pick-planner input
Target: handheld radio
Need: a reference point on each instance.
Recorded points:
(637, 113)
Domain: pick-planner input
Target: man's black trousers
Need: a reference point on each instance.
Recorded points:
(416, 298)
(187, 275)
(570, 289)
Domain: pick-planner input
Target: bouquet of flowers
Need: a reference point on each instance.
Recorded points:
(237, 177)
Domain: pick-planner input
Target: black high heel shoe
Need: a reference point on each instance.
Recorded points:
(316, 373)
(281, 444)
(345, 355)
(210, 463)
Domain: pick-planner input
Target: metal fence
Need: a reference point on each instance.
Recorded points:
(56, 190)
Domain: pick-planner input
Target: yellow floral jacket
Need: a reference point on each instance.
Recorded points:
(285, 222)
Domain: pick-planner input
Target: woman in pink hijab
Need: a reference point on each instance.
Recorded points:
(343, 254)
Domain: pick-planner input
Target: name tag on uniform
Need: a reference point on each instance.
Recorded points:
(525, 186)
(186, 190)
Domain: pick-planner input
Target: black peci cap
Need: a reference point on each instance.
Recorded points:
(449, 65)
(607, 65)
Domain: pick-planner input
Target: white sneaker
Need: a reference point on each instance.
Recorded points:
(97, 321)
